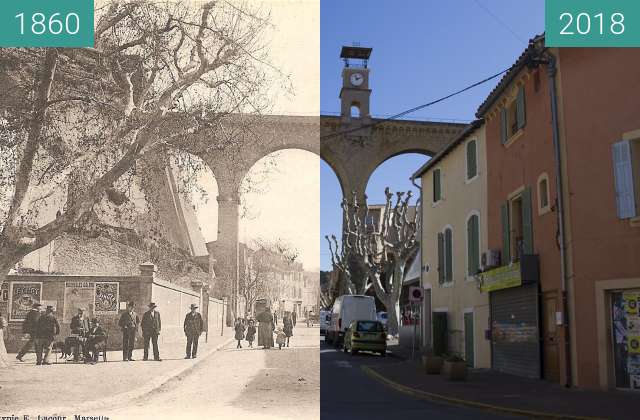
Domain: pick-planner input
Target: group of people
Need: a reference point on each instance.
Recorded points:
(267, 327)
(89, 338)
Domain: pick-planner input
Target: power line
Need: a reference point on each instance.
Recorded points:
(500, 21)
(417, 108)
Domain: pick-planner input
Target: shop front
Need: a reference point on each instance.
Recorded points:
(625, 330)
(514, 320)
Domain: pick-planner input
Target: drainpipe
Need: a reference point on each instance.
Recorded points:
(551, 72)
(413, 181)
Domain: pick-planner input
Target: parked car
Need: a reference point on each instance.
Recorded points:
(348, 308)
(365, 336)
(325, 316)
(383, 317)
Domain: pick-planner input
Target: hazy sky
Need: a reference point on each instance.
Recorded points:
(422, 50)
(288, 207)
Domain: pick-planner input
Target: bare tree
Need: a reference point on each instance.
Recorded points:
(385, 252)
(77, 123)
(260, 276)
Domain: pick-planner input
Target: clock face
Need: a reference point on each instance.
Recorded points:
(356, 79)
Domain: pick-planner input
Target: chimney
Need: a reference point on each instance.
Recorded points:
(148, 269)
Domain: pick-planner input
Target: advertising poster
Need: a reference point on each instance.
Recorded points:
(4, 299)
(78, 294)
(631, 303)
(106, 298)
(23, 295)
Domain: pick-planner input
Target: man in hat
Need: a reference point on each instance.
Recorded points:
(47, 328)
(151, 326)
(79, 326)
(29, 327)
(96, 340)
(193, 327)
(128, 323)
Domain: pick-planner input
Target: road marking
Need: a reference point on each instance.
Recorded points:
(327, 351)
(343, 364)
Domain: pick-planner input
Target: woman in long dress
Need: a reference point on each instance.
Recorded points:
(265, 329)
(287, 328)
(4, 360)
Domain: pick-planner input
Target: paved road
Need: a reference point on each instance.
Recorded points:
(346, 392)
(241, 383)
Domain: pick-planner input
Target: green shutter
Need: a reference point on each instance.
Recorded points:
(440, 258)
(437, 194)
(503, 125)
(521, 115)
(527, 222)
(506, 246)
(472, 167)
(473, 245)
(448, 252)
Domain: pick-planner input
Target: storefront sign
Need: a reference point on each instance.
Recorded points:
(106, 298)
(22, 297)
(501, 278)
(78, 294)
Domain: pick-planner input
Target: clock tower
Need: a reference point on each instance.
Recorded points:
(355, 92)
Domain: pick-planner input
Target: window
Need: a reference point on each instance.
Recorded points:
(355, 110)
(543, 194)
(437, 186)
(472, 160)
(626, 165)
(445, 256)
(473, 245)
(517, 228)
(513, 116)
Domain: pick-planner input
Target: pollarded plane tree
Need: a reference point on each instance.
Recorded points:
(386, 251)
(84, 121)
(344, 254)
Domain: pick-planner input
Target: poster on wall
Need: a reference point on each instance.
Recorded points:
(78, 294)
(22, 297)
(106, 298)
(631, 303)
(4, 300)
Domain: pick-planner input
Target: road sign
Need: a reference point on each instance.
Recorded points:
(416, 294)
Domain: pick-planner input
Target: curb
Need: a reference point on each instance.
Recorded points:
(467, 403)
(125, 397)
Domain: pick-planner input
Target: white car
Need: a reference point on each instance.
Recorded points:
(346, 309)
(383, 317)
(325, 317)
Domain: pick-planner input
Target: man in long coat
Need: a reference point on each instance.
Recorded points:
(128, 323)
(151, 326)
(48, 327)
(193, 327)
(265, 329)
(29, 326)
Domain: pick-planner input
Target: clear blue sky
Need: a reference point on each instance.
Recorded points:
(422, 50)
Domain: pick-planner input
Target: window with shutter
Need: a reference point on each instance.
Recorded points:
(437, 186)
(527, 222)
(441, 258)
(473, 245)
(448, 255)
(506, 234)
(472, 164)
(624, 180)
(521, 114)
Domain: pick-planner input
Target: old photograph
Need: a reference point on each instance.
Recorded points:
(159, 215)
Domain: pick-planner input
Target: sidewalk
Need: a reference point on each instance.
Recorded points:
(506, 393)
(65, 387)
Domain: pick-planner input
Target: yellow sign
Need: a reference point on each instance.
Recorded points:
(501, 278)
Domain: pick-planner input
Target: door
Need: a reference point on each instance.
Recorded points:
(440, 334)
(550, 354)
(469, 355)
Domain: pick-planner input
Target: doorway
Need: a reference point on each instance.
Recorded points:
(550, 340)
(469, 354)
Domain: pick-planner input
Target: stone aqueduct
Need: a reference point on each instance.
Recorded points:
(353, 157)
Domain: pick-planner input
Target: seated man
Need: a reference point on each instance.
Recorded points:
(96, 340)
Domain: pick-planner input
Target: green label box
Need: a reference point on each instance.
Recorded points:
(46, 23)
(592, 23)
